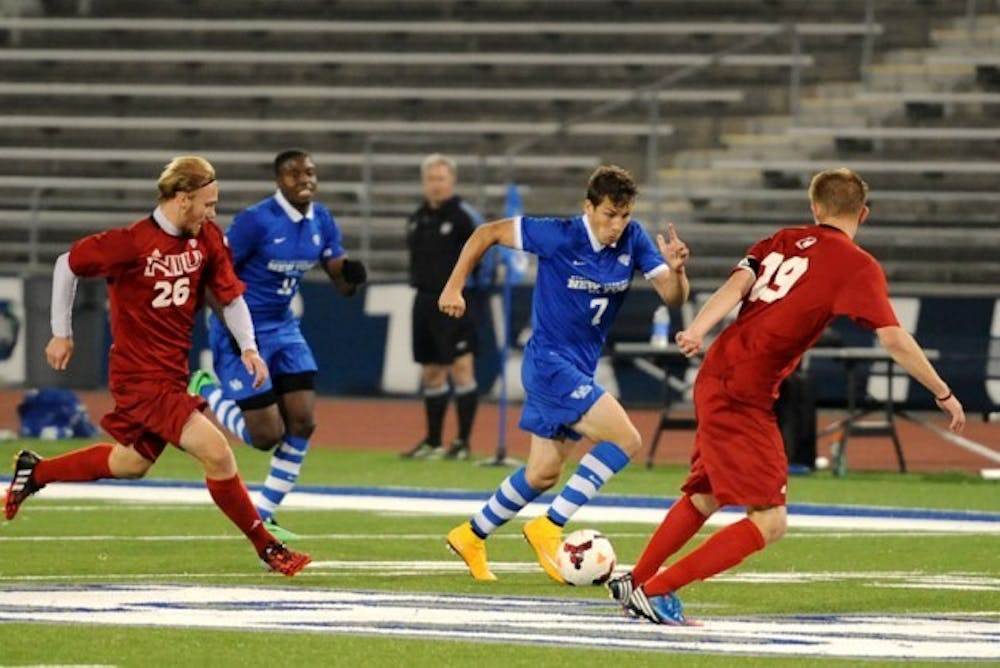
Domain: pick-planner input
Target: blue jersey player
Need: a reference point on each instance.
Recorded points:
(585, 267)
(274, 243)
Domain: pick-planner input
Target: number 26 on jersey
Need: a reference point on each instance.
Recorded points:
(172, 293)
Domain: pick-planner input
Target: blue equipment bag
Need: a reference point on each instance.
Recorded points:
(54, 413)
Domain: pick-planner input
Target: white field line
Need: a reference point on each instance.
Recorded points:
(504, 619)
(430, 506)
(884, 579)
(417, 536)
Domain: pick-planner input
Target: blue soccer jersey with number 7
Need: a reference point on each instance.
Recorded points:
(581, 284)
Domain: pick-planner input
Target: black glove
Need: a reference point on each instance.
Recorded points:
(354, 271)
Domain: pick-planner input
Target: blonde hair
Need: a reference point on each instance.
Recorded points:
(838, 192)
(435, 159)
(185, 173)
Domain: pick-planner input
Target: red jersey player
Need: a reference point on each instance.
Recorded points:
(158, 271)
(789, 287)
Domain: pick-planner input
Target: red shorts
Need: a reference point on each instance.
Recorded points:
(150, 414)
(739, 456)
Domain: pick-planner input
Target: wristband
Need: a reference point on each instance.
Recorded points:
(945, 397)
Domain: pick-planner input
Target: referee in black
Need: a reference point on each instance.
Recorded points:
(443, 346)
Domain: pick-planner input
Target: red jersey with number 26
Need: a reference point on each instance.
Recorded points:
(806, 276)
(156, 283)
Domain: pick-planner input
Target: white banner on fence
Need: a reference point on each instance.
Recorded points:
(12, 331)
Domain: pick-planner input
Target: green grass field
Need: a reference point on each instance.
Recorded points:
(83, 542)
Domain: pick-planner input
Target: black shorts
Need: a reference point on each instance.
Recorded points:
(438, 338)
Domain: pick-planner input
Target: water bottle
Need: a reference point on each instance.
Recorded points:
(660, 336)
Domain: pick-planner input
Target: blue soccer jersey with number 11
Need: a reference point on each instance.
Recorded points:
(272, 250)
(581, 284)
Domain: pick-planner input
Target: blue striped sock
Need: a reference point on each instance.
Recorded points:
(286, 464)
(597, 466)
(511, 496)
(226, 412)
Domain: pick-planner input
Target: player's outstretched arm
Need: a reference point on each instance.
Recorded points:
(719, 305)
(672, 286)
(498, 232)
(59, 350)
(908, 354)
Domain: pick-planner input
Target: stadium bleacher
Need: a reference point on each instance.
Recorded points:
(745, 106)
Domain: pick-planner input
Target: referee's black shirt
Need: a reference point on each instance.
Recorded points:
(435, 238)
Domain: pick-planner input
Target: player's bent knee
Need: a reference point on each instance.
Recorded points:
(133, 470)
(266, 437)
(778, 528)
(771, 522)
(127, 464)
(541, 480)
(303, 427)
(265, 444)
(706, 504)
(631, 445)
(218, 460)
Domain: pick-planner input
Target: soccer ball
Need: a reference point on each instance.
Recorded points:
(585, 558)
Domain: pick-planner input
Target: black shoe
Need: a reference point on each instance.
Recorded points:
(459, 450)
(23, 484)
(423, 450)
(620, 589)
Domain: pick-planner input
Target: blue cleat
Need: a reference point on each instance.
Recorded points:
(666, 609)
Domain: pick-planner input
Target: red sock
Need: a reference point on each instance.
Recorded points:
(77, 466)
(232, 498)
(682, 521)
(722, 550)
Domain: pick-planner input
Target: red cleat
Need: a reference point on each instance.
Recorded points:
(278, 558)
(23, 484)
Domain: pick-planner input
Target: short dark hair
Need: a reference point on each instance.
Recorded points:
(286, 155)
(613, 182)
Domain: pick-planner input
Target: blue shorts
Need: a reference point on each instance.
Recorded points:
(283, 349)
(557, 394)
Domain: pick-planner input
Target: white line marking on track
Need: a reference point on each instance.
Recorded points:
(387, 568)
(412, 536)
(545, 621)
(304, 500)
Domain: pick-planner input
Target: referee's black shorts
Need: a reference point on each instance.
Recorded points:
(439, 338)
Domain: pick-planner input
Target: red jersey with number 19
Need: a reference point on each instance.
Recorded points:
(806, 276)
(156, 283)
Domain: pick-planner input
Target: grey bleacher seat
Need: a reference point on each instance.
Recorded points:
(436, 28)
(930, 97)
(908, 133)
(89, 109)
(333, 125)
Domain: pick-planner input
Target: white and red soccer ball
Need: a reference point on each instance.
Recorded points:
(585, 558)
